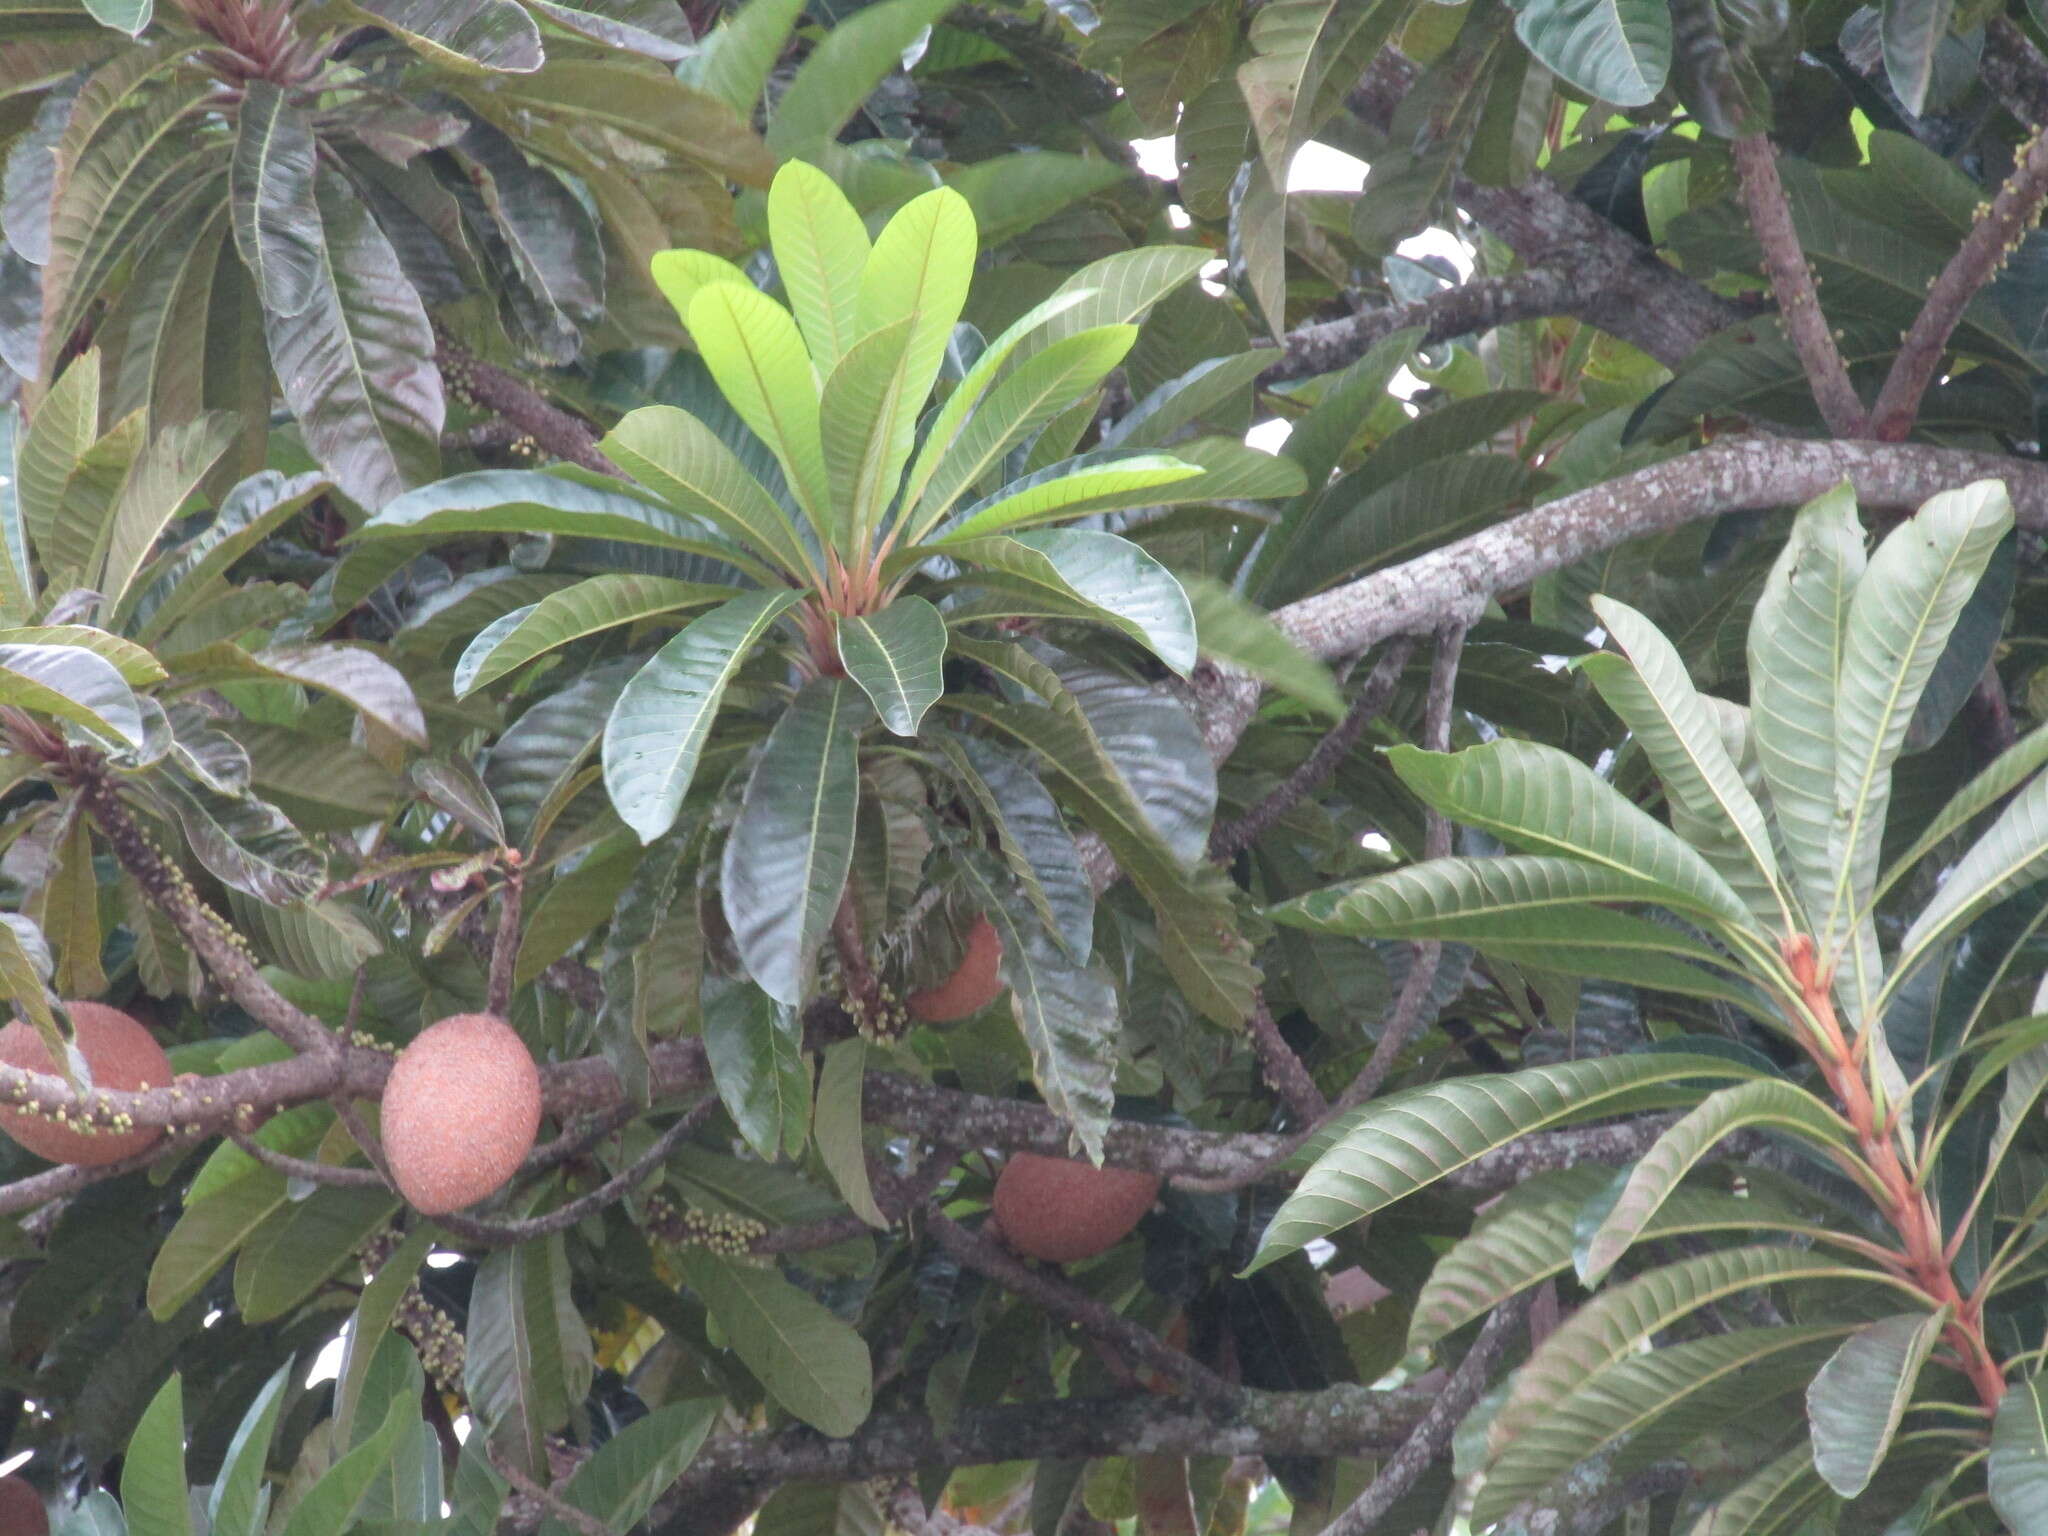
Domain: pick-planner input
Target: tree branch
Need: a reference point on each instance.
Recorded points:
(2016, 71)
(1282, 1069)
(1799, 311)
(218, 946)
(1322, 761)
(1984, 250)
(1478, 304)
(1432, 1436)
(1055, 1296)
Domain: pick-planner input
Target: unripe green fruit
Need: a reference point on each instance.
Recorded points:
(460, 1112)
(120, 1054)
(1061, 1211)
(21, 1509)
(974, 984)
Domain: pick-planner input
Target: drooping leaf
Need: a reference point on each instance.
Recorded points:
(1912, 32)
(356, 364)
(810, 1362)
(1398, 1144)
(755, 1048)
(839, 1127)
(1232, 630)
(153, 1470)
(1033, 839)
(1109, 575)
(1616, 50)
(72, 683)
(276, 220)
(619, 1484)
(2018, 1470)
(527, 1362)
(896, 655)
(657, 728)
(244, 842)
(473, 36)
(1856, 1401)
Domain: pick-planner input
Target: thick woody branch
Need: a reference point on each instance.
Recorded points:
(1984, 250)
(1799, 311)
(1055, 1296)
(1476, 305)
(1283, 1070)
(2016, 71)
(1338, 1421)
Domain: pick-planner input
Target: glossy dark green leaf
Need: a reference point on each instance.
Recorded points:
(896, 656)
(246, 843)
(840, 1128)
(1616, 50)
(71, 683)
(206, 1237)
(1033, 839)
(635, 1467)
(1110, 575)
(299, 1247)
(356, 365)
(788, 854)
(1856, 1401)
(1912, 32)
(755, 1048)
(649, 27)
(587, 608)
(153, 1470)
(276, 220)
(467, 35)
(539, 242)
(809, 1361)
(235, 1505)
(2018, 1471)
(330, 1505)
(528, 1359)
(657, 728)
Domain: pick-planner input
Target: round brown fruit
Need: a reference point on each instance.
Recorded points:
(21, 1509)
(119, 1052)
(1061, 1211)
(460, 1112)
(975, 983)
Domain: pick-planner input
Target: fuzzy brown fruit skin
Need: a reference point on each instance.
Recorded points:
(1061, 1211)
(460, 1112)
(21, 1509)
(975, 983)
(120, 1053)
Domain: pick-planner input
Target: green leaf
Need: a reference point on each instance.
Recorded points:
(1614, 50)
(356, 365)
(137, 667)
(1899, 622)
(1110, 575)
(153, 1470)
(656, 731)
(618, 1485)
(2005, 773)
(16, 594)
(165, 475)
(751, 345)
(64, 427)
(270, 186)
(1912, 32)
(1795, 659)
(25, 969)
(246, 843)
(734, 62)
(839, 1127)
(1666, 1392)
(896, 655)
(689, 467)
(755, 1048)
(2018, 1470)
(130, 16)
(1069, 1018)
(916, 277)
(1229, 629)
(1533, 910)
(1092, 483)
(1657, 1175)
(1854, 1405)
(299, 1247)
(206, 1237)
(843, 70)
(1711, 807)
(527, 1362)
(1031, 395)
(525, 501)
(235, 1505)
(588, 608)
(2008, 858)
(1032, 837)
(1612, 1326)
(354, 674)
(96, 1515)
(1773, 1499)
(1011, 194)
(376, 1309)
(72, 683)
(787, 857)
(810, 1362)
(329, 1507)
(1405, 1141)
(1296, 43)
(646, 27)
(820, 247)
(195, 572)
(468, 36)
(1538, 798)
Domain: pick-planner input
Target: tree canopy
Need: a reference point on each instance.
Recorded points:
(1185, 853)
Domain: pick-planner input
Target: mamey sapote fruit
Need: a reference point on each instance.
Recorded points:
(1061, 1211)
(973, 985)
(21, 1509)
(120, 1054)
(460, 1112)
